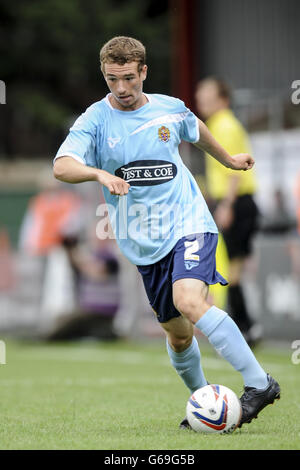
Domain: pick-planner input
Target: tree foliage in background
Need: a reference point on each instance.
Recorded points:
(49, 60)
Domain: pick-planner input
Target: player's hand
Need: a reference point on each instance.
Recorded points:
(242, 161)
(116, 186)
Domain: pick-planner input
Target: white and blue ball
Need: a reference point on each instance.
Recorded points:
(214, 409)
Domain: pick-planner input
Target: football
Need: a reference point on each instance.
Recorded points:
(213, 409)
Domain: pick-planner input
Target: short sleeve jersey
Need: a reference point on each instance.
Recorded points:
(164, 202)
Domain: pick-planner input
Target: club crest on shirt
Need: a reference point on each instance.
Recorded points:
(164, 134)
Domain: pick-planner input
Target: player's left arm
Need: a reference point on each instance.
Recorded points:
(207, 143)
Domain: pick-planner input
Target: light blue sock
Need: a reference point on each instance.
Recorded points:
(188, 366)
(224, 335)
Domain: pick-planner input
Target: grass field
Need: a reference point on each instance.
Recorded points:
(125, 395)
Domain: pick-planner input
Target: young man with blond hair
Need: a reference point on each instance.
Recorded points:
(128, 142)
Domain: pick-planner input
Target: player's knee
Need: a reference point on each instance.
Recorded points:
(183, 303)
(190, 307)
(179, 344)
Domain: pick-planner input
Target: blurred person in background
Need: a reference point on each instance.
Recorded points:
(230, 194)
(80, 290)
(96, 267)
(48, 214)
(51, 214)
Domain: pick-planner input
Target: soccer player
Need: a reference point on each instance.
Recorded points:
(128, 142)
(233, 206)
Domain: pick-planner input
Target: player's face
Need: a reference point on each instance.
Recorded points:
(208, 100)
(125, 83)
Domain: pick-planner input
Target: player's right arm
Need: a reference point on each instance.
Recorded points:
(241, 161)
(69, 170)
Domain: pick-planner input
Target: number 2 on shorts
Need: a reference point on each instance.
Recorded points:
(190, 249)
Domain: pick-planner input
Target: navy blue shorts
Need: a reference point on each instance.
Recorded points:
(192, 257)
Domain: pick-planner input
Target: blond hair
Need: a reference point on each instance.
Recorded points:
(123, 49)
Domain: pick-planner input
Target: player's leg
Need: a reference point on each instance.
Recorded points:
(238, 240)
(251, 330)
(182, 347)
(224, 335)
(184, 353)
(221, 331)
(236, 298)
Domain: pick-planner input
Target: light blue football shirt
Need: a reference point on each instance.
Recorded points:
(164, 202)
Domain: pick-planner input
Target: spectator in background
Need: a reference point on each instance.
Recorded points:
(57, 229)
(231, 194)
(97, 288)
(47, 216)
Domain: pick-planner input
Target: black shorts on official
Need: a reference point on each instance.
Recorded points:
(238, 237)
(192, 257)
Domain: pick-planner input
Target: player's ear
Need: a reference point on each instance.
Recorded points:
(102, 70)
(144, 72)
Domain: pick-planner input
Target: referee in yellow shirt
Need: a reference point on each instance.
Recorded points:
(231, 194)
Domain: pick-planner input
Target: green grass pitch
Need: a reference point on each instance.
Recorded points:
(125, 395)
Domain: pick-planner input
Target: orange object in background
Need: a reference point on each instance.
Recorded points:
(47, 217)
